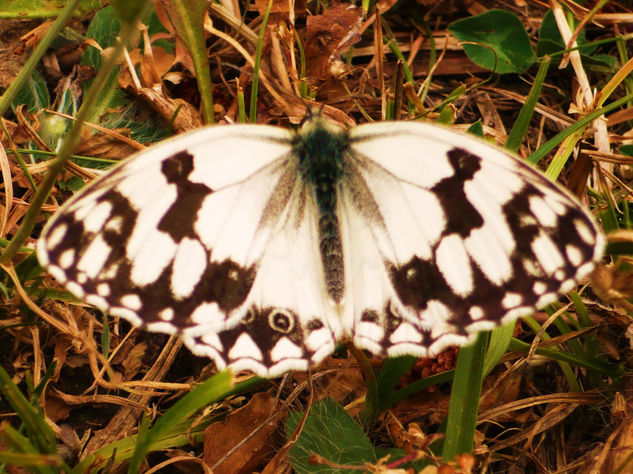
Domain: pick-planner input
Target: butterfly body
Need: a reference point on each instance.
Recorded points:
(263, 247)
(322, 151)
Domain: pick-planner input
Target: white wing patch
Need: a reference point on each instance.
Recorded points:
(227, 235)
(454, 263)
(189, 265)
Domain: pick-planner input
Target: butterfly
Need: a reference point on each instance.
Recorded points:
(263, 247)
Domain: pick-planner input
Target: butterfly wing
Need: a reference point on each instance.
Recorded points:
(460, 236)
(185, 238)
(290, 323)
(214, 236)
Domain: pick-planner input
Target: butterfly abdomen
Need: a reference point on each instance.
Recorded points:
(321, 153)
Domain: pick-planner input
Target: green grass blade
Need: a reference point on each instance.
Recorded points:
(519, 129)
(580, 124)
(499, 342)
(592, 363)
(258, 59)
(188, 18)
(213, 389)
(382, 389)
(464, 404)
(39, 433)
(24, 454)
(426, 382)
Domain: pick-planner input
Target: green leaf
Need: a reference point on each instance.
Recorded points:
(550, 42)
(503, 45)
(476, 129)
(34, 94)
(73, 184)
(332, 434)
(626, 150)
(596, 61)
(129, 10)
(104, 29)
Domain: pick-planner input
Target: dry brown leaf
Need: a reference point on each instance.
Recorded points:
(182, 55)
(248, 433)
(622, 448)
(620, 458)
(504, 390)
(54, 407)
(100, 145)
(280, 6)
(62, 346)
(152, 66)
(614, 283)
(327, 36)
(132, 363)
(431, 404)
(578, 176)
(180, 114)
(343, 382)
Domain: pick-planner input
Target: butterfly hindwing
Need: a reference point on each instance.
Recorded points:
(371, 317)
(289, 322)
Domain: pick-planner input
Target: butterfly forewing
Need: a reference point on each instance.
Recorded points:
(219, 235)
(172, 232)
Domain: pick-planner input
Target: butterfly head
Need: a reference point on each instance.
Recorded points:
(314, 121)
(321, 147)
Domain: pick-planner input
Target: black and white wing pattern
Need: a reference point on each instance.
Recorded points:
(449, 235)
(263, 247)
(196, 237)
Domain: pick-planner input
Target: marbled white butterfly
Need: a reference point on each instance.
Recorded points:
(263, 247)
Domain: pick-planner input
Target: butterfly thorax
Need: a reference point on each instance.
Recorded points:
(321, 150)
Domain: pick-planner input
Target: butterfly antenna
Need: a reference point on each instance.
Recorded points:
(311, 113)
